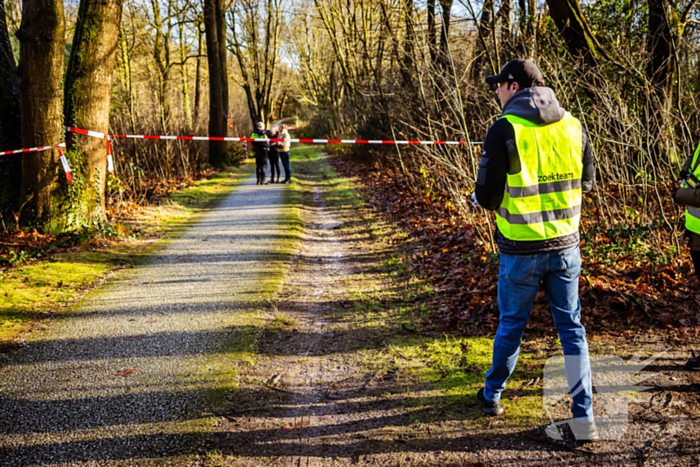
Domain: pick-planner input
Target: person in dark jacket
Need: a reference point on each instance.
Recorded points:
(274, 154)
(691, 167)
(536, 164)
(260, 149)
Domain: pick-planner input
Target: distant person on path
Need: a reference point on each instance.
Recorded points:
(284, 153)
(260, 149)
(691, 172)
(536, 164)
(274, 155)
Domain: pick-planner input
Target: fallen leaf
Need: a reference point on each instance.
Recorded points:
(294, 426)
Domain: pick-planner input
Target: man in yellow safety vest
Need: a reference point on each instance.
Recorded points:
(536, 164)
(261, 149)
(690, 178)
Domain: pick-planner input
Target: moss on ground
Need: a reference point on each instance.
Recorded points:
(43, 287)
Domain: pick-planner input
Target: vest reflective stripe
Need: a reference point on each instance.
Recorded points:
(543, 188)
(540, 217)
(543, 200)
(692, 215)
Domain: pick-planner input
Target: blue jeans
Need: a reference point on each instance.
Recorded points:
(519, 280)
(285, 163)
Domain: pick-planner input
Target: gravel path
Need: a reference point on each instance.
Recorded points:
(128, 376)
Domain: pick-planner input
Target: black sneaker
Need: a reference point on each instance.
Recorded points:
(489, 408)
(693, 364)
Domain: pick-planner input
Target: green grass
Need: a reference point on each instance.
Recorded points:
(41, 287)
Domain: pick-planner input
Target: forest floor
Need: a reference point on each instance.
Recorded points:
(287, 326)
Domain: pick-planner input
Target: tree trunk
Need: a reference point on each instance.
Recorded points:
(504, 14)
(409, 42)
(183, 76)
(217, 114)
(445, 34)
(484, 30)
(571, 23)
(432, 36)
(10, 126)
(42, 39)
(198, 79)
(223, 76)
(531, 16)
(659, 45)
(88, 93)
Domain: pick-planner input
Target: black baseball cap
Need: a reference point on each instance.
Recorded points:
(521, 70)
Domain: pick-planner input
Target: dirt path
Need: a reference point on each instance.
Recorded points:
(310, 399)
(130, 376)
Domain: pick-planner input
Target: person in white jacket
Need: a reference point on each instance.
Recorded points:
(284, 153)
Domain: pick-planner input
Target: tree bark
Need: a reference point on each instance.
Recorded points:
(217, 114)
(660, 46)
(42, 45)
(504, 14)
(432, 36)
(484, 30)
(88, 91)
(409, 42)
(183, 77)
(198, 79)
(223, 76)
(572, 25)
(445, 33)
(10, 126)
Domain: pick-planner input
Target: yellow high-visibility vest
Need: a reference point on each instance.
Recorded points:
(543, 200)
(692, 215)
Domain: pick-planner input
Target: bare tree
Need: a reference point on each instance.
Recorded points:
(254, 40)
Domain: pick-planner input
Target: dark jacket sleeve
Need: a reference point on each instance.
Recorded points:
(588, 175)
(493, 167)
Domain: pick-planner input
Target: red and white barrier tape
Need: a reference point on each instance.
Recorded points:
(61, 157)
(110, 161)
(66, 166)
(40, 148)
(273, 140)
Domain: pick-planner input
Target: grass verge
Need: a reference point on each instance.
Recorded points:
(43, 287)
